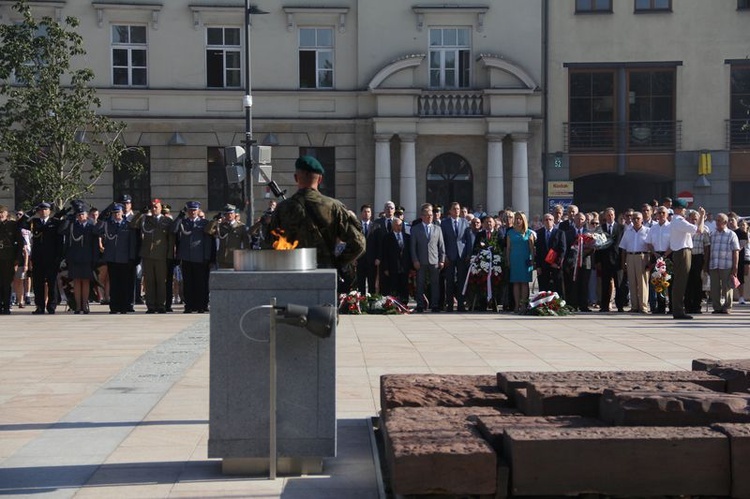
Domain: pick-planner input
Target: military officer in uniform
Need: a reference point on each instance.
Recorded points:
(120, 254)
(46, 255)
(157, 243)
(194, 253)
(317, 221)
(230, 234)
(11, 245)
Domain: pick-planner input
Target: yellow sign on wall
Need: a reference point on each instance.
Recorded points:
(560, 189)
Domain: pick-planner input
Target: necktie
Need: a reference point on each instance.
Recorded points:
(609, 228)
(455, 227)
(400, 241)
(549, 233)
(427, 229)
(365, 227)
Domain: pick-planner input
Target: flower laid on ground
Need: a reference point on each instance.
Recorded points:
(352, 303)
(356, 303)
(547, 303)
(661, 276)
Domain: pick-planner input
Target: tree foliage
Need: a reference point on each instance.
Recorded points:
(52, 139)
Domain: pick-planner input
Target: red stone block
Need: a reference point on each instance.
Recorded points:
(739, 443)
(618, 461)
(433, 390)
(736, 373)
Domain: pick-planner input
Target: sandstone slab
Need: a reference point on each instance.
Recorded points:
(582, 399)
(493, 426)
(512, 380)
(739, 443)
(736, 373)
(433, 390)
(649, 408)
(636, 461)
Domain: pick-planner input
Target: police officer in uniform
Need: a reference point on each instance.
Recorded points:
(230, 234)
(156, 247)
(11, 245)
(317, 221)
(119, 253)
(194, 252)
(46, 255)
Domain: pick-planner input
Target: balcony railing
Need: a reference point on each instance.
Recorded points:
(608, 136)
(450, 103)
(738, 134)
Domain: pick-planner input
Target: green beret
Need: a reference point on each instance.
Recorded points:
(309, 164)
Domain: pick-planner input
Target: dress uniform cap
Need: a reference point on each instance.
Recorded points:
(309, 164)
(192, 205)
(229, 208)
(43, 205)
(117, 207)
(125, 198)
(680, 203)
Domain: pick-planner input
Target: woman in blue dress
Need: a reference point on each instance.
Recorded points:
(520, 254)
(81, 248)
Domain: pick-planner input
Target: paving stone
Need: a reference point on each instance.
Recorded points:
(635, 461)
(437, 450)
(512, 380)
(739, 443)
(433, 390)
(651, 408)
(582, 399)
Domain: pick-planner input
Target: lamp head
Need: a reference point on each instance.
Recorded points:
(318, 320)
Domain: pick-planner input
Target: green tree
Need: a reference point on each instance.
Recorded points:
(52, 139)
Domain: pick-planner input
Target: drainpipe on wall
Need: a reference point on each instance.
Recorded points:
(545, 106)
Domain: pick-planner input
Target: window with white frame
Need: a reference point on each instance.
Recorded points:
(316, 57)
(223, 57)
(450, 56)
(129, 68)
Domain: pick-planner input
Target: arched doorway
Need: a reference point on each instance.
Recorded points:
(449, 178)
(596, 192)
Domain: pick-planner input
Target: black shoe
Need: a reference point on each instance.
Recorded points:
(27, 300)
(77, 312)
(161, 311)
(168, 309)
(601, 310)
(51, 311)
(683, 316)
(585, 309)
(462, 309)
(39, 311)
(620, 309)
(130, 309)
(150, 311)
(419, 310)
(187, 311)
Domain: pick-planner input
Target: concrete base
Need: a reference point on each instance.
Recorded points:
(239, 382)
(250, 466)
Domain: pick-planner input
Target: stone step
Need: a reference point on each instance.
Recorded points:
(621, 461)
(739, 444)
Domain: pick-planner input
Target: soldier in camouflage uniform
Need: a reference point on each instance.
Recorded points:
(231, 234)
(317, 221)
(157, 246)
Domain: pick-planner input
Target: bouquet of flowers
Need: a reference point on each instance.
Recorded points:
(547, 303)
(352, 303)
(389, 305)
(661, 276)
(584, 245)
(485, 272)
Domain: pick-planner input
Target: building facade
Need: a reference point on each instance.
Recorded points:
(400, 101)
(638, 90)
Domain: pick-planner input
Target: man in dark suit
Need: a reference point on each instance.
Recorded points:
(397, 261)
(366, 270)
(381, 227)
(577, 277)
(550, 238)
(453, 227)
(428, 257)
(608, 264)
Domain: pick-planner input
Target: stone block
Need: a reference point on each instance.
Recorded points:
(635, 461)
(739, 444)
(648, 408)
(434, 390)
(437, 450)
(582, 399)
(510, 381)
(736, 373)
(493, 426)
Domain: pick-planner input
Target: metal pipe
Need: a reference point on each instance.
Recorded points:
(272, 452)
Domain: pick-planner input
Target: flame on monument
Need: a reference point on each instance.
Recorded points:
(282, 243)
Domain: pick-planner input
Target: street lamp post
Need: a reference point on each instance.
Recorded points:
(248, 105)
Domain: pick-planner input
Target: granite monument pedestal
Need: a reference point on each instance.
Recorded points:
(239, 417)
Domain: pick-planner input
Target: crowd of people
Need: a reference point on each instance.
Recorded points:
(597, 260)
(117, 257)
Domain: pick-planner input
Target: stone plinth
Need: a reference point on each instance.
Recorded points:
(239, 373)
(739, 443)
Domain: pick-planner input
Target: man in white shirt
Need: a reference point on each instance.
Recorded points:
(658, 241)
(681, 245)
(635, 259)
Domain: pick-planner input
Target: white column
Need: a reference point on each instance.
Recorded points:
(382, 171)
(495, 182)
(521, 172)
(408, 184)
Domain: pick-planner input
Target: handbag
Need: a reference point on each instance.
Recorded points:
(735, 282)
(551, 257)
